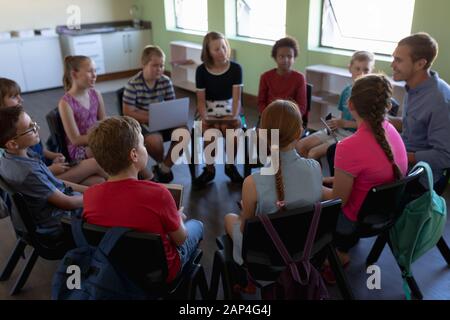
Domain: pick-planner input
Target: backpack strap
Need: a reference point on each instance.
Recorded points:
(312, 231)
(281, 247)
(76, 225)
(110, 239)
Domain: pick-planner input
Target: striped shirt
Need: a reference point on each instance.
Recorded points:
(139, 95)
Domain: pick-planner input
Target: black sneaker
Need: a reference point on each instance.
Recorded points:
(161, 176)
(232, 173)
(206, 176)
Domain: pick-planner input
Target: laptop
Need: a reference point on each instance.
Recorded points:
(168, 114)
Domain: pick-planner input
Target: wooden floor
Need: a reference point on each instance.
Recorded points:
(210, 205)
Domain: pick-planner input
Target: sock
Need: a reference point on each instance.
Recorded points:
(164, 168)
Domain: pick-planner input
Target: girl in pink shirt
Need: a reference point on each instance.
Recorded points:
(374, 155)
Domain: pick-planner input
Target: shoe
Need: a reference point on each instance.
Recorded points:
(232, 172)
(161, 176)
(206, 176)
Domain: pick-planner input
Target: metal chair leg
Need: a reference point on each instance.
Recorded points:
(376, 250)
(444, 249)
(28, 267)
(18, 252)
(341, 278)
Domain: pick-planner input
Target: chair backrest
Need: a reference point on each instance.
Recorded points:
(260, 254)
(309, 88)
(140, 256)
(441, 185)
(385, 203)
(119, 97)
(57, 132)
(25, 226)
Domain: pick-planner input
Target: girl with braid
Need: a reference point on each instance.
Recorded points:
(297, 183)
(374, 155)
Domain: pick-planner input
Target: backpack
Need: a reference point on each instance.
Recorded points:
(100, 279)
(300, 280)
(419, 228)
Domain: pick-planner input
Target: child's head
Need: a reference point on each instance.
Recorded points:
(371, 99)
(117, 143)
(152, 60)
(284, 116)
(216, 49)
(284, 52)
(79, 70)
(362, 63)
(18, 130)
(9, 93)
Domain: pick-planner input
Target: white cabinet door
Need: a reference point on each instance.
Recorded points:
(115, 52)
(10, 64)
(137, 40)
(42, 63)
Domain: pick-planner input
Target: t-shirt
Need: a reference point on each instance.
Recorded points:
(343, 106)
(290, 86)
(141, 205)
(218, 87)
(361, 156)
(138, 94)
(31, 177)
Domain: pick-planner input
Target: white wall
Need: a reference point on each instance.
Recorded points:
(34, 14)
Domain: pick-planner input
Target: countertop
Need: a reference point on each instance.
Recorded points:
(106, 27)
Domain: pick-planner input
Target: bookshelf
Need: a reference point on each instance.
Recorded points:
(328, 83)
(184, 58)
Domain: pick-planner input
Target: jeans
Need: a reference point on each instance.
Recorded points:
(194, 230)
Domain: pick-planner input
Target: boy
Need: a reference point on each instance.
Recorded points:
(315, 146)
(151, 86)
(118, 146)
(46, 196)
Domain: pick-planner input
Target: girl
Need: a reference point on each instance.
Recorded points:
(283, 82)
(86, 172)
(297, 183)
(81, 107)
(374, 155)
(219, 90)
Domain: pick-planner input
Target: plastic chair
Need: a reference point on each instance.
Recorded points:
(262, 260)
(57, 133)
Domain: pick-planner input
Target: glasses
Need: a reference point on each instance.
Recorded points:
(34, 127)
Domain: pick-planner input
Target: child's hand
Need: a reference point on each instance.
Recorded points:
(328, 181)
(334, 124)
(59, 158)
(59, 168)
(181, 213)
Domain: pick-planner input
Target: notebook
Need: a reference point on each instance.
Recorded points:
(168, 114)
(177, 193)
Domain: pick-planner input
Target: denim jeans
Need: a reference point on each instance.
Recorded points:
(194, 230)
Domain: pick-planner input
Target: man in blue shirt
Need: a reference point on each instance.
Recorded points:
(425, 123)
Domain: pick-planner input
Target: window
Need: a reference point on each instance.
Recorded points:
(261, 19)
(191, 14)
(370, 25)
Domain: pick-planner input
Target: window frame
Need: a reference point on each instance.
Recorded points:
(183, 29)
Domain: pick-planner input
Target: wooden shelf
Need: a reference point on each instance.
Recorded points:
(325, 97)
(187, 85)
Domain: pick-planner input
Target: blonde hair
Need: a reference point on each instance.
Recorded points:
(362, 56)
(206, 55)
(72, 63)
(149, 52)
(282, 115)
(371, 98)
(8, 88)
(111, 142)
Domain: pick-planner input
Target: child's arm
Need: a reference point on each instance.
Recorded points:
(341, 123)
(101, 113)
(129, 105)
(59, 157)
(249, 199)
(65, 202)
(75, 186)
(70, 126)
(262, 94)
(342, 185)
(201, 103)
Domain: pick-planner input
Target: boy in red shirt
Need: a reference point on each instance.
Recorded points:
(124, 201)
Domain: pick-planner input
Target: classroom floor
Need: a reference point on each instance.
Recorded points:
(210, 205)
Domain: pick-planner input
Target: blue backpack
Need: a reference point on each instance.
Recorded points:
(99, 278)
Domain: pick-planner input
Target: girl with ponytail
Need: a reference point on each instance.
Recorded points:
(297, 183)
(374, 155)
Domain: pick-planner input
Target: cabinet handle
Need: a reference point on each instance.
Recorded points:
(129, 43)
(124, 44)
(85, 42)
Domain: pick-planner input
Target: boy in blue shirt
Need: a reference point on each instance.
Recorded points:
(47, 197)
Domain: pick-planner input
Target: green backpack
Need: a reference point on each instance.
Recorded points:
(419, 228)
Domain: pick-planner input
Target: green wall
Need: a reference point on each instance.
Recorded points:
(429, 16)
